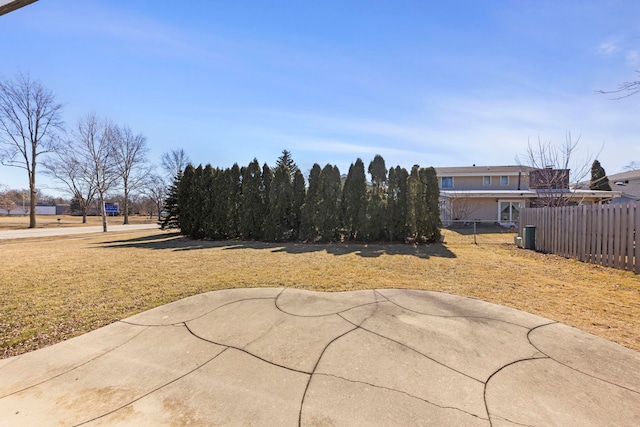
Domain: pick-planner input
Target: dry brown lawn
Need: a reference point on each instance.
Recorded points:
(54, 288)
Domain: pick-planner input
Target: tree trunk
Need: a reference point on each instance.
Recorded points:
(104, 214)
(126, 207)
(32, 203)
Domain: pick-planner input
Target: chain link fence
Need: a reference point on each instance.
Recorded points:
(479, 232)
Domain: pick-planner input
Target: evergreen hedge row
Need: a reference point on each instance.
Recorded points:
(277, 205)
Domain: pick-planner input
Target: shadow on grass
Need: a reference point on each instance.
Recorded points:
(176, 242)
(467, 230)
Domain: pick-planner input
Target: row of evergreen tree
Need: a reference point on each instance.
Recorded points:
(276, 204)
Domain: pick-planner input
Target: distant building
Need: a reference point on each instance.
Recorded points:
(628, 183)
(40, 210)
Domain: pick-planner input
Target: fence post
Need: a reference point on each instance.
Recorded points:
(636, 225)
(631, 227)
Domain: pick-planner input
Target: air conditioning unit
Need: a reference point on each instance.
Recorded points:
(518, 241)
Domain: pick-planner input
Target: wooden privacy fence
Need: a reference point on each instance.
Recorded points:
(599, 234)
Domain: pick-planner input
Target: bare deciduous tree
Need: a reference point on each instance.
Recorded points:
(131, 163)
(30, 119)
(95, 143)
(69, 167)
(173, 163)
(7, 201)
(461, 205)
(156, 190)
(555, 167)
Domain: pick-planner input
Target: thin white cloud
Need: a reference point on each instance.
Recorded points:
(608, 48)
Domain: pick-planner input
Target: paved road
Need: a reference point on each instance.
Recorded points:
(64, 231)
(288, 357)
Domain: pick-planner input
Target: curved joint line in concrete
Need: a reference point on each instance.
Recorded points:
(406, 394)
(495, 373)
(572, 367)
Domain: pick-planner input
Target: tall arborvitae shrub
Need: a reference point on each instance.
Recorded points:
(330, 192)
(280, 219)
(354, 201)
(252, 205)
(197, 202)
(208, 191)
(220, 205)
(256, 203)
(170, 218)
(377, 203)
(186, 201)
(310, 213)
(397, 204)
(299, 192)
(376, 216)
(378, 171)
(267, 177)
(235, 197)
(415, 208)
(431, 194)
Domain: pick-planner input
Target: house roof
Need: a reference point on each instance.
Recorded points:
(631, 189)
(617, 183)
(512, 170)
(634, 174)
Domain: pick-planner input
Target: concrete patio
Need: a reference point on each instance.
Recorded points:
(286, 357)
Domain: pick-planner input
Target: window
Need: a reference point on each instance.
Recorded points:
(509, 211)
(447, 182)
(486, 180)
(504, 180)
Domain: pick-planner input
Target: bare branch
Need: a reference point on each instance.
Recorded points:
(627, 88)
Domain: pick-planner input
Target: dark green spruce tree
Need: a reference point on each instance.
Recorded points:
(599, 179)
(286, 159)
(170, 219)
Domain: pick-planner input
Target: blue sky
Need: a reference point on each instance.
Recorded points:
(433, 83)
